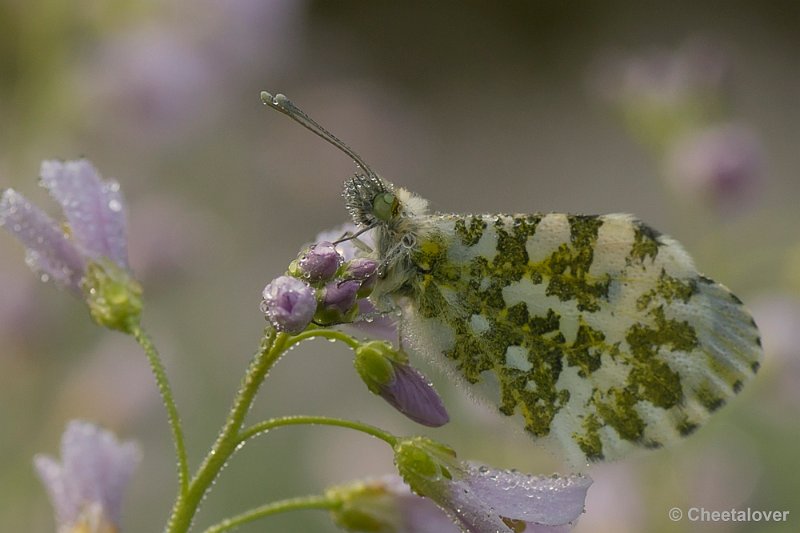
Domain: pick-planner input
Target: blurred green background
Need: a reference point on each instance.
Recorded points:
(477, 106)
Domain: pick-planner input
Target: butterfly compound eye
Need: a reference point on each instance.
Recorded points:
(384, 206)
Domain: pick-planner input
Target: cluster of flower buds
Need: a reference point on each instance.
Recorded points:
(320, 287)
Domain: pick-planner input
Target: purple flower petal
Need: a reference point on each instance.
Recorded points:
(417, 514)
(470, 512)
(347, 249)
(95, 470)
(484, 500)
(374, 324)
(548, 500)
(338, 303)
(52, 475)
(361, 268)
(413, 395)
(319, 263)
(94, 208)
(289, 303)
(387, 504)
(48, 249)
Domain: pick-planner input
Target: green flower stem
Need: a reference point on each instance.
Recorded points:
(331, 334)
(266, 425)
(273, 345)
(169, 402)
(293, 504)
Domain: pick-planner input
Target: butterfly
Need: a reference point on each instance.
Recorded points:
(594, 331)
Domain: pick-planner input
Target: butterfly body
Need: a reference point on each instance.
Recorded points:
(594, 331)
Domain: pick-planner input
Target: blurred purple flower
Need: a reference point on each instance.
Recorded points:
(95, 213)
(664, 94)
(167, 238)
(150, 76)
(721, 165)
(289, 304)
(90, 257)
(387, 505)
(386, 372)
(481, 499)
(663, 77)
(87, 487)
(778, 319)
(109, 385)
(319, 263)
(21, 315)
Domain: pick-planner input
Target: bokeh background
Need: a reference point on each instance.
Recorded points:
(684, 113)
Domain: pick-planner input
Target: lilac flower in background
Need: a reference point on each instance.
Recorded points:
(721, 165)
(167, 237)
(110, 385)
(87, 487)
(778, 319)
(663, 94)
(21, 315)
(481, 499)
(90, 257)
(663, 76)
(386, 372)
(289, 304)
(94, 208)
(387, 504)
(95, 213)
(150, 76)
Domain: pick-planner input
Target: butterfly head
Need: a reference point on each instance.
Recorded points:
(370, 200)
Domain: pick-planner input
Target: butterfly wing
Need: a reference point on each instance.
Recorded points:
(594, 330)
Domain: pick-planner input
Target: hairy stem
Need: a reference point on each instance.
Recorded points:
(273, 345)
(283, 506)
(266, 425)
(330, 334)
(169, 403)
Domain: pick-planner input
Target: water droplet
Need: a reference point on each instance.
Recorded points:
(45, 277)
(115, 205)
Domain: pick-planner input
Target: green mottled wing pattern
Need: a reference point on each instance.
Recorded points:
(595, 330)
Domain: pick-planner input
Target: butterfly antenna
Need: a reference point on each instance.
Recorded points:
(280, 103)
(352, 236)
